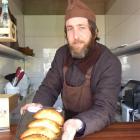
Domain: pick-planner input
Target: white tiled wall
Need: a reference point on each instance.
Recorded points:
(122, 27)
(100, 21)
(44, 34)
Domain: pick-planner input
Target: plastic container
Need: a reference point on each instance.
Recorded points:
(9, 89)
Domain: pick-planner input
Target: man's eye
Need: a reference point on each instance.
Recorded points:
(69, 29)
(82, 27)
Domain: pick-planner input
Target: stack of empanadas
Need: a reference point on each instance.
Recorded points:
(46, 126)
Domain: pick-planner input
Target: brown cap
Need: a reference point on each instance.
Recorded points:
(77, 8)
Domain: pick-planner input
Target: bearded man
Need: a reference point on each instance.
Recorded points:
(85, 73)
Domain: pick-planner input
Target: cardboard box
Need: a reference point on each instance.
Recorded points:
(7, 103)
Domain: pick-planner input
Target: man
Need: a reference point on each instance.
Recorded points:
(86, 73)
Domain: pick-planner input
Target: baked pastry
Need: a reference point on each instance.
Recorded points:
(53, 126)
(50, 114)
(39, 131)
(47, 125)
(36, 137)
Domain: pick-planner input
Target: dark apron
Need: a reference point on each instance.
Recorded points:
(77, 99)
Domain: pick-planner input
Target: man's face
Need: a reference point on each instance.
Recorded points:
(78, 36)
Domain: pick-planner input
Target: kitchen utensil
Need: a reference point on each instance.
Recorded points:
(19, 77)
(16, 75)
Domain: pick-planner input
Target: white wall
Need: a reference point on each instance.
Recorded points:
(100, 21)
(122, 27)
(8, 65)
(44, 34)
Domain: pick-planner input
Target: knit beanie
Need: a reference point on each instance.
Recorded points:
(77, 8)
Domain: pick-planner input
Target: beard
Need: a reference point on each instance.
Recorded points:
(80, 53)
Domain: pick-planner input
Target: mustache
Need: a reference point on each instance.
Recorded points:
(77, 41)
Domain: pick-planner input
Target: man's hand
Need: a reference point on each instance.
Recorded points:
(32, 107)
(70, 128)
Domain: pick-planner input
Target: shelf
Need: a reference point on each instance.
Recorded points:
(127, 49)
(11, 53)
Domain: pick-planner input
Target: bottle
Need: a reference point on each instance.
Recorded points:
(4, 15)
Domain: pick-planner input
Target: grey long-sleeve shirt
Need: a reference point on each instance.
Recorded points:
(105, 84)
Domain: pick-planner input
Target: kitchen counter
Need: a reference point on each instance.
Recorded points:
(8, 135)
(116, 131)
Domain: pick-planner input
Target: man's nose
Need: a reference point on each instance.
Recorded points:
(75, 34)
